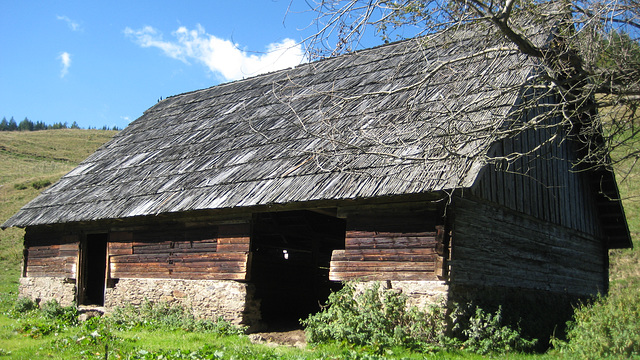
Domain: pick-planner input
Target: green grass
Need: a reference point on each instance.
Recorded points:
(28, 158)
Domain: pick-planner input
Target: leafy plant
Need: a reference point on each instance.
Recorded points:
(607, 328)
(40, 184)
(23, 305)
(65, 314)
(36, 328)
(485, 333)
(20, 186)
(376, 318)
(380, 319)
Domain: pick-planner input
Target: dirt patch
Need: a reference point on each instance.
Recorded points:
(288, 338)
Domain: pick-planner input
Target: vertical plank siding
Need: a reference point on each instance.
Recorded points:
(494, 246)
(403, 244)
(50, 254)
(543, 185)
(216, 253)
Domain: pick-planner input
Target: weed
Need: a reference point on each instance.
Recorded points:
(40, 184)
(376, 318)
(36, 328)
(609, 327)
(24, 305)
(380, 319)
(485, 334)
(67, 315)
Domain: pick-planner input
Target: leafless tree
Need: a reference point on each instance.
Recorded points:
(591, 64)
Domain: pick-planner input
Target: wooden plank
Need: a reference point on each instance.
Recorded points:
(390, 243)
(374, 234)
(508, 179)
(240, 248)
(51, 262)
(378, 276)
(363, 255)
(120, 236)
(382, 266)
(234, 230)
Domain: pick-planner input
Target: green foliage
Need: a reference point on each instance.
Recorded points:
(381, 319)
(162, 316)
(36, 328)
(485, 334)
(23, 305)
(37, 184)
(40, 184)
(376, 318)
(609, 327)
(65, 314)
(20, 186)
(28, 125)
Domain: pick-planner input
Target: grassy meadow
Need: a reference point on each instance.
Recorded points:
(30, 161)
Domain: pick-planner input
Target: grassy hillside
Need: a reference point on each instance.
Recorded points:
(28, 162)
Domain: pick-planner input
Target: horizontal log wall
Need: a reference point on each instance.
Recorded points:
(50, 255)
(495, 246)
(214, 253)
(385, 243)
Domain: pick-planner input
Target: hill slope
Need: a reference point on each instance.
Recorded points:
(29, 161)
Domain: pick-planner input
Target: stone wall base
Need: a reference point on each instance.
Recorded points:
(209, 299)
(43, 289)
(420, 294)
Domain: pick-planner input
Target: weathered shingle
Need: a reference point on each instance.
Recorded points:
(368, 124)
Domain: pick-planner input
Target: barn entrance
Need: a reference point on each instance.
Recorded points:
(290, 264)
(93, 269)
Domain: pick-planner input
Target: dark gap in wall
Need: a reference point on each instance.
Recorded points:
(290, 265)
(94, 262)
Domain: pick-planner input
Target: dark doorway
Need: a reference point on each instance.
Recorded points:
(290, 264)
(93, 269)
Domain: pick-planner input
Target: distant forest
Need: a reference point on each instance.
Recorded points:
(28, 125)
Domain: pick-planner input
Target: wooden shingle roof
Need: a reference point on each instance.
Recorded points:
(368, 124)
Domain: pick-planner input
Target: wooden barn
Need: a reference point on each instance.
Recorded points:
(253, 199)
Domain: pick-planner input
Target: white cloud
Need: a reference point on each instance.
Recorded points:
(65, 62)
(74, 26)
(220, 56)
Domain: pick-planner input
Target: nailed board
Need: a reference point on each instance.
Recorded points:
(216, 252)
(56, 255)
(402, 244)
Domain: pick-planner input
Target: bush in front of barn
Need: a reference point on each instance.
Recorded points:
(380, 319)
(608, 327)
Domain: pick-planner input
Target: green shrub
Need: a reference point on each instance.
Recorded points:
(485, 333)
(20, 186)
(36, 328)
(40, 184)
(24, 305)
(375, 317)
(609, 327)
(66, 314)
(381, 319)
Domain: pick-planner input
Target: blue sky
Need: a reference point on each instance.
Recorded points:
(105, 63)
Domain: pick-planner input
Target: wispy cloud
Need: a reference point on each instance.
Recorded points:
(74, 26)
(221, 56)
(65, 62)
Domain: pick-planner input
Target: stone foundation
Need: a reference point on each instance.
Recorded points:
(45, 288)
(208, 299)
(420, 294)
